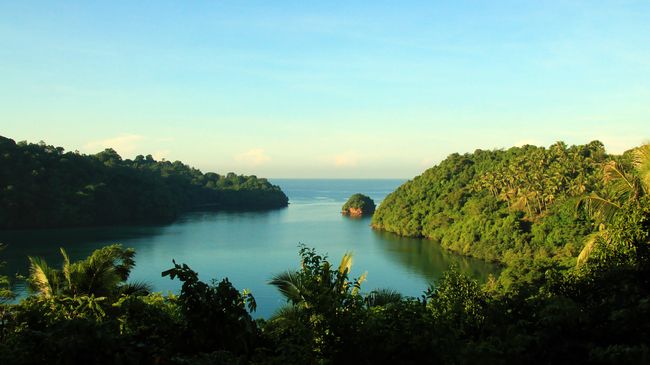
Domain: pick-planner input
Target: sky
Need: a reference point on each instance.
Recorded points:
(314, 89)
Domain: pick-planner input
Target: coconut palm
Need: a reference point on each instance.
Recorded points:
(324, 306)
(624, 188)
(382, 297)
(291, 286)
(43, 279)
(103, 273)
(316, 280)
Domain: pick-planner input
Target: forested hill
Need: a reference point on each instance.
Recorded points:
(501, 205)
(44, 186)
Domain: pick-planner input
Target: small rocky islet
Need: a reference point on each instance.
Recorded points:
(358, 205)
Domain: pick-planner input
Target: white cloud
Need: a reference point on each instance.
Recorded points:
(524, 142)
(254, 157)
(159, 155)
(124, 144)
(428, 162)
(620, 144)
(346, 159)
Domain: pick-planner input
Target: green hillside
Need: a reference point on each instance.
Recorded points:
(501, 205)
(44, 186)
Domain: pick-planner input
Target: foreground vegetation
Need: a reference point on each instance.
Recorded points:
(539, 311)
(535, 312)
(44, 186)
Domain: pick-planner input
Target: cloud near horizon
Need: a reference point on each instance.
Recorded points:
(253, 157)
(529, 141)
(347, 159)
(124, 144)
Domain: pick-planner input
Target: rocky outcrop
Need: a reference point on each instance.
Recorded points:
(353, 212)
(358, 205)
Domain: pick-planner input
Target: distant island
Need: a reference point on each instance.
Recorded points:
(43, 186)
(358, 205)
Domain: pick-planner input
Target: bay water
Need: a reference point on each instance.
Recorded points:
(249, 247)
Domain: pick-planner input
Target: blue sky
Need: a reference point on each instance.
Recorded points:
(323, 89)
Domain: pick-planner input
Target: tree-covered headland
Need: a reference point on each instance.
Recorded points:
(44, 186)
(504, 205)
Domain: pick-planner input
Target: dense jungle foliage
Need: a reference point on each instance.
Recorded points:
(44, 186)
(537, 311)
(502, 205)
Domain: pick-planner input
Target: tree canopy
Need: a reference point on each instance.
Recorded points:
(501, 205)
(537, 311)
(44, 186)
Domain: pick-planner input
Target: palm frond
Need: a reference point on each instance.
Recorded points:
(285, 313)
(382, 297)
(42, 278)
(641, 161)
(96, 275)
(120, 259)
(290, 286)
(67, 275)
(592, 241)
(622, 186)
(104, 270)
(603, 210)
(137, 288)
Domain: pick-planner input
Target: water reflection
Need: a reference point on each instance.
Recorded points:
(249, 247)
(78, 242)
(429, 259)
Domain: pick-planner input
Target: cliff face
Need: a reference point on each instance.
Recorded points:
(358, 205)
(353, 212)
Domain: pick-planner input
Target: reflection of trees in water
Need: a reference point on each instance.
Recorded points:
(79, 242)
(430, 259)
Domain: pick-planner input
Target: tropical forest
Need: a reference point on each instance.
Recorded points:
(573, 236)
(451, 182)
(44, 186)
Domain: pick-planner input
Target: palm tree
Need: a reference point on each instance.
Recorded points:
(43, 279)
(316, 280)
(5, 285)
(382, 297)
(624, 188)
(103, 273)
(324, 306)
(291, 286)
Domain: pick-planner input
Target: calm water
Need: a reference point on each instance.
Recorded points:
(249, 248)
